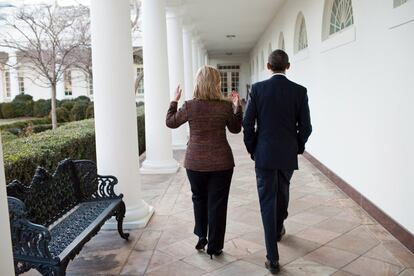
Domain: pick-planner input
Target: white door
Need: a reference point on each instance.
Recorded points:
(230, 78)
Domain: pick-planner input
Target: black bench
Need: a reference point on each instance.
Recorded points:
(53, 217)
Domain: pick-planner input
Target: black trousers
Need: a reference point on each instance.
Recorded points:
(210, 197)
(273, 190)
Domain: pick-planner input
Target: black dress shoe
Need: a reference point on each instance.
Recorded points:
(282, 233)
(273, 267)
(202, 242)
(215, 253)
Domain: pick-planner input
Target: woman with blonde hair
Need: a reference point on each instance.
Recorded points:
(209, 160)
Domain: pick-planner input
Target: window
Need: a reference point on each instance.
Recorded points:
(398, 3)
(235, 78)
(6, 82)
(281, 42)
(140, 72)
(21, 81)
(230, 78)
(341, 16)
(228, 67)
(224, 84)
(68, 83)
(270, 48)
(301, 37)
(90, 84)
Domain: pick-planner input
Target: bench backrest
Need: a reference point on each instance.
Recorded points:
(48, 197)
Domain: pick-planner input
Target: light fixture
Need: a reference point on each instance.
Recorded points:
(229, 53)
(231, 36)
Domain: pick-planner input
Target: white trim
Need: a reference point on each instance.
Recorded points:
(401, 15)
(339, 39)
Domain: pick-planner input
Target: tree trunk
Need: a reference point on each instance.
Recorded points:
(53, 110)
(137, 81)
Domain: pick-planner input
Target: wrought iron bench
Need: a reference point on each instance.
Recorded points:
(53, 217)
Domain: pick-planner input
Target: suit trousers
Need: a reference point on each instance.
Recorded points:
(210, 197)
(273, 190)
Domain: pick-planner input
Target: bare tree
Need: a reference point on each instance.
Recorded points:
(82, 57)
(45, 38)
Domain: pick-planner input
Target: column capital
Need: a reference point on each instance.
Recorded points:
(174, 12)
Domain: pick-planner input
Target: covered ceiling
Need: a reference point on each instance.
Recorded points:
(215, 19)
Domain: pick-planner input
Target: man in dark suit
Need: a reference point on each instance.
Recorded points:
(276, 127)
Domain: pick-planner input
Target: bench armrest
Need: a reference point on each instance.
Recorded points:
(106, 185)
(30, 241)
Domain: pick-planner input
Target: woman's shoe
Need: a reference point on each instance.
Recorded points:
(202, 242)
(215, 253)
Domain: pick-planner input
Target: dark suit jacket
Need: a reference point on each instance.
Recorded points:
(280, 109)
(208, 149)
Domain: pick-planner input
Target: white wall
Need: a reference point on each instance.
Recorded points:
(243, 61)
(361, 96)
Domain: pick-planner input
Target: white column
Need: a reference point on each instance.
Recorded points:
(115, 111)
(188, 63)
(206, 60)
(201, 56)
(176, 69)
(14, 77)
(159, 158)
(6, 256)
(195, 57)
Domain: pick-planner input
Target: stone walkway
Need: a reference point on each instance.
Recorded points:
(327, 233)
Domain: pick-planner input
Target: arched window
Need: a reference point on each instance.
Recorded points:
(338, 15)
(281, 41)
(301, 36)
(398, 3)
(270, 48)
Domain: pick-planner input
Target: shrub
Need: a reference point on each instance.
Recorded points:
(141, 133)
(78, 111)
(74, 140)
(8, 110)
(41, 108)
(82, 99)
(67, 104)
(1, 113)
(41, 128)
(17, 109)
(90, 111)
(7, 136)
(23, 98)
(23, 105)
(62, 115)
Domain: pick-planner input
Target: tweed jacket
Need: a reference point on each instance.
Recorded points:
(208, 148)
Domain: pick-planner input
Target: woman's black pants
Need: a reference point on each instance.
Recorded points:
(210, 198)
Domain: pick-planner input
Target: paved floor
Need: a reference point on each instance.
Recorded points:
(327, 233)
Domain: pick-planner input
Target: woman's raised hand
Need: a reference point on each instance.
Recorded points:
(235, 98)
(178, 93)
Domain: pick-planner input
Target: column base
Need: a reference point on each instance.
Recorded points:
(179, 146)
(112, 224)
(159, 167)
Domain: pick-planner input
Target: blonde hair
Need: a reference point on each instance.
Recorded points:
(208, 84)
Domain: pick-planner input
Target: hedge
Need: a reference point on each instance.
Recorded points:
(75, 140)
(41, 108)
(78, 111)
